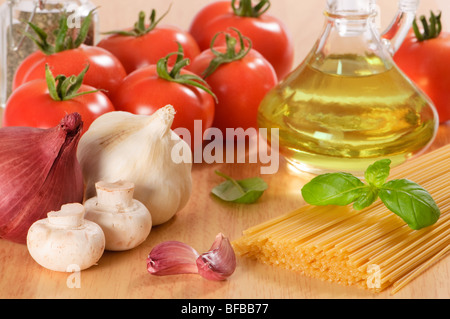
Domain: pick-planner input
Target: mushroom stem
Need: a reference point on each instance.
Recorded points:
(70, 216)
(118, 194)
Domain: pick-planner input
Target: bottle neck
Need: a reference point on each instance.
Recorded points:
(351, 24)
(351, 7)
(350, 43)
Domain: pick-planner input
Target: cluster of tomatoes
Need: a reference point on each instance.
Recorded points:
(124, 74)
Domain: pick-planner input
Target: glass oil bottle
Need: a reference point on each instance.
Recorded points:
(348, 105)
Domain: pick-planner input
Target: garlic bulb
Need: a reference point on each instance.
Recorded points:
(138, 149)
(65, 239)
(125, 221)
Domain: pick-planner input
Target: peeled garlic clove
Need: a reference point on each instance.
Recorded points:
(219, 262)
(172, 258)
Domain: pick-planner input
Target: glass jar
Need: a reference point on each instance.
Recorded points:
(348, 105)
(46, 14)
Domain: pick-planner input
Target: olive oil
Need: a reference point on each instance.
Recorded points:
(345, 112)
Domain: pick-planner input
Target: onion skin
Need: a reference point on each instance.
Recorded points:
(39, 173)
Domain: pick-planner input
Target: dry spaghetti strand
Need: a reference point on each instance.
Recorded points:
(400, 284)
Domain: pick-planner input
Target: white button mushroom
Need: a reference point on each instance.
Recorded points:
(64, 239)
(125, 221)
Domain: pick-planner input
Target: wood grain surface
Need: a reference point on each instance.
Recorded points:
(124, 274)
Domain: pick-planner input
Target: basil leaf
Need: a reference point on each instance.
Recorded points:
(246, 191)
(377, 173)
(333, 189)
(368, 196)
(411, 202)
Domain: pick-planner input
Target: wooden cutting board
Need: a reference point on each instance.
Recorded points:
(124, 274)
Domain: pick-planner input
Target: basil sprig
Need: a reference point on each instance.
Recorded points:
(408, 200)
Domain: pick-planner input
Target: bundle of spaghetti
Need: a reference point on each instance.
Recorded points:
(372, 248)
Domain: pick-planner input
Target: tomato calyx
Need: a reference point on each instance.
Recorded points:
(140, 28)
(231, 54)
(431, 30)
(63, 41)
(63, 88)
(246, 9)
(162, 69)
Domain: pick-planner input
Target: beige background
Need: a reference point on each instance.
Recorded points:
(303, 18)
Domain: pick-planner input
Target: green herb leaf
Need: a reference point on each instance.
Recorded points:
(333, 189)
(368, 196)
(377, 173)
(411, 202)
(408, 200)
(246, 191)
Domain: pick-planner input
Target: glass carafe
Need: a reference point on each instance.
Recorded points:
(348, 105)
(46, 14)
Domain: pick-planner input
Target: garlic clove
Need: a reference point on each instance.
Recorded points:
(219, 262)
(172, 258)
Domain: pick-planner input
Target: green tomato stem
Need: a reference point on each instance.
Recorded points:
(62, 88)
(140, 28)
(431, 29)
(162, 69)
(230, 54)
(246, 9)
(63, 41)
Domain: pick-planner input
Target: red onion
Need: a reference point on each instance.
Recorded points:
(39, 173)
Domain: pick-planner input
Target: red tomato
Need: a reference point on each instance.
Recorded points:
(105, 72)
(136, 52)
(143, 92)
(426, 64)
(269, 35)
(239, 86)
(31, 105)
